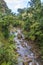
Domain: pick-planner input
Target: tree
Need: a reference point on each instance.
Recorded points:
(33, 23)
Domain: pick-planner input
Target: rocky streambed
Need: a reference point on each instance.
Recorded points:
(26, 55)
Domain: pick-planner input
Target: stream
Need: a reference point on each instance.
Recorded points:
(26, 56)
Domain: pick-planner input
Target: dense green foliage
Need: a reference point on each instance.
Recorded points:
(8, 55)
(33, 22)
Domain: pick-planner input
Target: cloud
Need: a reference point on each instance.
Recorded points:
(15, 4)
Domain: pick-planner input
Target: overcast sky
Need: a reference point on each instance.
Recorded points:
(15, 4)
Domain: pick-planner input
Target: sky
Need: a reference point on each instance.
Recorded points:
(15, 4)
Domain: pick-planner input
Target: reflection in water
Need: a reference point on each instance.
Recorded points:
(24, 50)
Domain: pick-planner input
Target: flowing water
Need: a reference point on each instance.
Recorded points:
(24, 51)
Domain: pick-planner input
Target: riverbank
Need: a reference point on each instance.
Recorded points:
(35, 49)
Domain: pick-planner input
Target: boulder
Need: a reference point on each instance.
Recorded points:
(19, 36)
(33, 63)
(23, 45)
(25, 63)
(26, 59)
